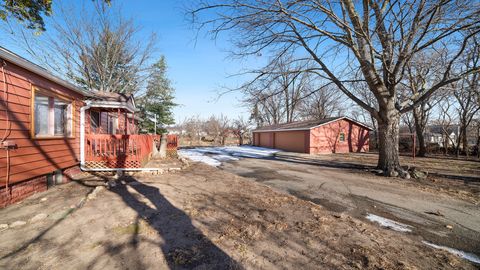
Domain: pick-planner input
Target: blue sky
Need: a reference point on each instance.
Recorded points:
(199, 68)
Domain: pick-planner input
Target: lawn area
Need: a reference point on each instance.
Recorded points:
(442, 166)
(199, 218)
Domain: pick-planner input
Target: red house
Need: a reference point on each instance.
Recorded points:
(329, 135)
(50, 128)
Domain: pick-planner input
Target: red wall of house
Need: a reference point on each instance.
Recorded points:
(33, 157)
(325, 139)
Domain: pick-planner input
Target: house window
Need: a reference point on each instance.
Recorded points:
(60, 109)
(342, 137)
(41, 115)
(112, 124)
(94, 121)
(53, 116)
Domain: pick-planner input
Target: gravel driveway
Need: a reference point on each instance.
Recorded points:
(198, 218)
(438, 218)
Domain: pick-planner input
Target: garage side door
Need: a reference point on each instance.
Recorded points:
(292, 141)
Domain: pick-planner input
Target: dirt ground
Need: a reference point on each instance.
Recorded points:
(445, 218)
(456, 176)
(199, 218)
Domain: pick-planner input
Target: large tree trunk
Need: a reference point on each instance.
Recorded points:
(446, 142)
(388, 139)
(478, 140)
(458, 142)
(464, 139)
(420, 132)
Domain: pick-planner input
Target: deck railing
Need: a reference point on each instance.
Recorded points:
(172, 145)
(118, 151)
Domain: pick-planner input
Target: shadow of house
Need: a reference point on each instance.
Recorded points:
(184, 246)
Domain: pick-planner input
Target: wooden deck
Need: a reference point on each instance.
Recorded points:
(122, 151)
(118, 151)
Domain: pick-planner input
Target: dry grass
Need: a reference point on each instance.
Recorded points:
(458, 177)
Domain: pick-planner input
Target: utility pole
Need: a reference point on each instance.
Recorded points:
(155, 124)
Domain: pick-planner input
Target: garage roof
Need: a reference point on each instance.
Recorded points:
(306, 125)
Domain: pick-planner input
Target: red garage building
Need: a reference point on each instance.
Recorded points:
(329, 135)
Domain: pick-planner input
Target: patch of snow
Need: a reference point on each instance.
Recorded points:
(392, 224)
(17, 223)
(3, 227)
(198, 157)
(214, 156)
(38, 217)
(468, 256)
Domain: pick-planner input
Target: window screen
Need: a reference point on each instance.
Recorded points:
(60, 117)
(52, 116)
(94, 121)
(41, 115)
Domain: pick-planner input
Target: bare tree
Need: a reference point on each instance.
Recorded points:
(373, 39)
(212, 127)
(266, 107)
(467, 95)
(421, 72)
(326, 102)
(241, 128)
(194, 128)
(446, 120)
(276, 93)
(361, 90)
(97, 48)
(224, 124)
(218, 127)
(102, 52)
(476, 126)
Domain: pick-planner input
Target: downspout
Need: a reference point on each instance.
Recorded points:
(82, 134)
(82, 148)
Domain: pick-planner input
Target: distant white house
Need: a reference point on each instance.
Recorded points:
(442, 136)
(435, 135)
(175, 130)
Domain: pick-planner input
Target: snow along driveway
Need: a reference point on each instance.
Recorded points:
(214, 156)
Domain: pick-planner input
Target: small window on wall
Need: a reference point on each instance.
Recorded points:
(94, 121)
(112, 124)
(52, 117)
(342, 137)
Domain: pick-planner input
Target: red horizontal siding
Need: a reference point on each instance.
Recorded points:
(325, 139)
(33, 157)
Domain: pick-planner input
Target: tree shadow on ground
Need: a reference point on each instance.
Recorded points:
(359, 166)
(323, 163)
(183, 245)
